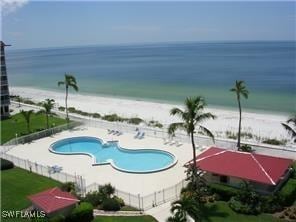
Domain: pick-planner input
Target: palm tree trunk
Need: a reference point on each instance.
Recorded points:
(193, 147)
(47, 121)
(66, 103)
(239, 124)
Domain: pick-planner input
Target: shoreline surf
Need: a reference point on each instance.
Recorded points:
(263, 125)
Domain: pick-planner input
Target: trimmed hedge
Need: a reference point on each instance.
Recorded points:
(83, 212)
(244, 208)
(288, 192)
(6, 164)
(225, 192)
(95, 198)
(110, 204)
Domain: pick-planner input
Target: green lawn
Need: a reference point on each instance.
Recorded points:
(17, 124)
(145, 218)
(220, 212)
(17, 184)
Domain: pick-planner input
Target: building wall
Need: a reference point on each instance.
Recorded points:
(236, 182)
(5, 100)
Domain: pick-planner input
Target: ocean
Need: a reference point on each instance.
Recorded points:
(167, 72)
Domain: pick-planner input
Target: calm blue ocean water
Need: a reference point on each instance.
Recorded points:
(168, 72)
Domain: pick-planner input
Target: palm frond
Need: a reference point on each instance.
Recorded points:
(74, 86)
(61, 83)
(174, 126)
(204, 116)
(207, 132)
(176, 111)
(292, 120)
(290, 130)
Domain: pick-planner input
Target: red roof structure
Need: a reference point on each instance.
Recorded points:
(53, 200)
(248, 166)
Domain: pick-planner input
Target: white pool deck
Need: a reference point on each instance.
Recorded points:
(143, 184)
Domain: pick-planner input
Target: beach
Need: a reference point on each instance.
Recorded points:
(258, 123)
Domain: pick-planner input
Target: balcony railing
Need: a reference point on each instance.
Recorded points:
(5, 102)
(4, 83)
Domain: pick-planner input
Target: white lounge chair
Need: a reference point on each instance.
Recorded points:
(166, 141)
(110, 131)
(56, 169)
(137, 135)
(172, 142)
(179, 144)
(142, 135)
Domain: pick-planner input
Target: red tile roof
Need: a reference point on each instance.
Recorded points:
(248, 166)
(53, 199)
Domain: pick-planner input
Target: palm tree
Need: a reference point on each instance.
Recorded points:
(240, 89)
(191, 118)
(69, 81)
(48, 105)
(186, 206)
(292, 127)
(18, 99)
(27, 116)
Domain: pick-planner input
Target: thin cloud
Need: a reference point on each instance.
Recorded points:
(9, 6)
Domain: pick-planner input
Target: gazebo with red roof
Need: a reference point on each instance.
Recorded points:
(265, 173)
(53, 201)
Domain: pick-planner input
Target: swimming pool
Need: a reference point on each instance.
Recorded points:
(123, 159)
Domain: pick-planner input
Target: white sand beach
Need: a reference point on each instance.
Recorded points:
(259, 124)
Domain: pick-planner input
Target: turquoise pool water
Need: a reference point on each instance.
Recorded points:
(127, 160)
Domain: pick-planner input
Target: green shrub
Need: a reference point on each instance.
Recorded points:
(247, 135)
(95, 198)
(113, 118)
(71, 109)
(155, 123)
(293, 173)
(96, 115)
(245, 148)
(274, 142)
(6, 164)
(271, 203)
(223, 191)
(68, 187)
(107, 190)
(231, 135)
(135, 121)
(119, 200)
(30, 102)
(61, 108)
(83, 212)
(244, 208)
(110, 204)
(288, 192)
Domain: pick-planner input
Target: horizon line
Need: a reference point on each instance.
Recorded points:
(149, 43)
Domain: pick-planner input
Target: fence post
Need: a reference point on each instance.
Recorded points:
(139, 199)
(155, 198)
(142, 204)
(129, 199)
(163, 195)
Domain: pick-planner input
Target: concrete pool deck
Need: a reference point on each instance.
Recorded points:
(143, 184)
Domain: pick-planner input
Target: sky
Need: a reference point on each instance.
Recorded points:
(39, 24)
